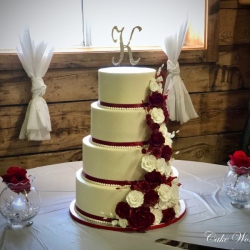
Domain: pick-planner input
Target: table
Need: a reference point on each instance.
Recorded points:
(210, 219)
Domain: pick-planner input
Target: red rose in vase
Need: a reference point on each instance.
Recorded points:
(16, 179)
(141, 219)
(239, 159)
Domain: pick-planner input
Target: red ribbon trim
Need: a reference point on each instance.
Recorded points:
(117, 105)
(95, 217)
(111, 182)
(112, 228)
(120, 144)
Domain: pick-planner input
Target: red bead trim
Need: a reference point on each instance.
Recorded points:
(110, 182)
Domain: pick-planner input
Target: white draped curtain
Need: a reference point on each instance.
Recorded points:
(35, 60)
(179, 103)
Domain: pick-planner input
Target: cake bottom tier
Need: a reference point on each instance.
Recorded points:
(97, 200)
(78, 217)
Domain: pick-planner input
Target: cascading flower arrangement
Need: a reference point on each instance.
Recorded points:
(152, 201)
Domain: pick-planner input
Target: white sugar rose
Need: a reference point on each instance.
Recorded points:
(162, 205)
(163, 129)
(163, 192)
(148, 162)
(157, 115)
(158, 215)
(123, 223)
(159, 79)
(161, 165)
(177, 209)
(114, 222)
(168, 169)
(135, 198)
(154, 86)
(168, 140)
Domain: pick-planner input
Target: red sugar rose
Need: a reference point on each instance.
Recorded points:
(168, 215)
(156, 152)
(142, 186)
(156, 139)
(151, 198)
(155, 127)
(122, 210)
(156, 99)
(141, 219)
(166, 153)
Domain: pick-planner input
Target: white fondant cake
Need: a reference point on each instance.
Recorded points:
(127, 180)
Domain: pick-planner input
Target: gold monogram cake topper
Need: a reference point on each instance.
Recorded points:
(122, 46)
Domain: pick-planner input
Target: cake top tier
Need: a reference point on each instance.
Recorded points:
(124, 85)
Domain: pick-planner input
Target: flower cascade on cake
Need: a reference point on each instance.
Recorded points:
(151, 201)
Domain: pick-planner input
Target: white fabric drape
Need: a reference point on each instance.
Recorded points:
(179, 103)
(35, 60)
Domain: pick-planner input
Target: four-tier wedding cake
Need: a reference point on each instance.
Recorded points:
(127, 181)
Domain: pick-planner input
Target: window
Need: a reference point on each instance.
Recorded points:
(61, 24)
(158, 18)
(57, 22)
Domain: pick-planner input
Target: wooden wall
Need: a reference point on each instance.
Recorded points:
(219, 92)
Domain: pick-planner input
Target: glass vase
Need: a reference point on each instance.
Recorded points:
(19, 208)
(237, 186)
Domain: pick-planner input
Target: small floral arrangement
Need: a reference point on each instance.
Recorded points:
(17, 180)
(152, 200)
(240, 162)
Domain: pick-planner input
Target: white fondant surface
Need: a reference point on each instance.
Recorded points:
(112, 163)
(118, 125)
(124, 85)
(94, 198)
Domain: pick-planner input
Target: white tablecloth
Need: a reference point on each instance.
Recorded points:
(210, 219)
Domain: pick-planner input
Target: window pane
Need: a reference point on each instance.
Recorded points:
(57, 22)
(158, 18)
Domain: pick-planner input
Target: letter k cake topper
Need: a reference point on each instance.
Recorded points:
(122, 46)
